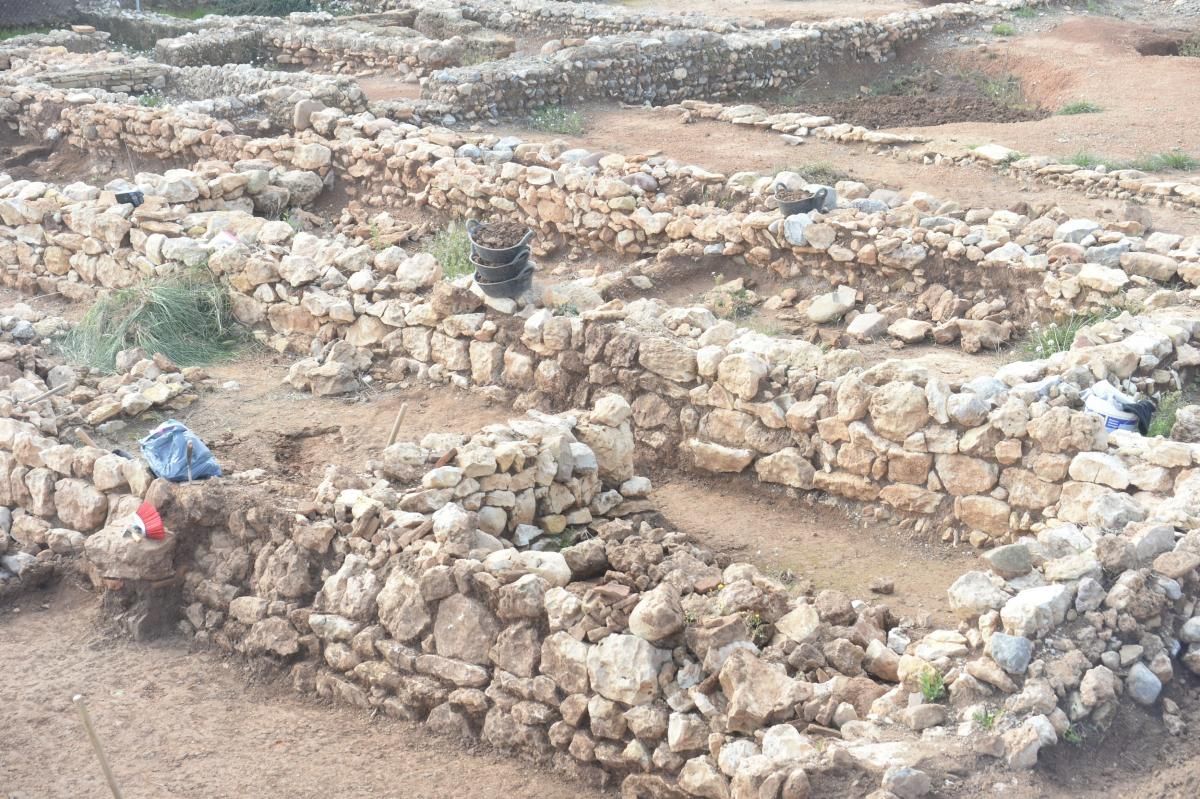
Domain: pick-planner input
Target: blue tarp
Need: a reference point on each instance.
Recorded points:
(165, 449)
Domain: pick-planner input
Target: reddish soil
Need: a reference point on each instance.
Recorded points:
(733, 148)
(930, 97)
(1093, 59)
(177, 723)
(747, 521)
(265, 424)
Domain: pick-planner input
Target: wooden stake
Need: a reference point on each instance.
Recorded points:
(396, 424)
(86, 439)
(56, 390)
(87, 725)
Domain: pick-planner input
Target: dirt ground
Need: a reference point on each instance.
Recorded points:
(266, 424)
(746, 521)
(1093, 59)
(733, 148)
(177, 723)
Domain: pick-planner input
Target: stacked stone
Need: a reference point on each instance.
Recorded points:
(55, 494)
(670, 65)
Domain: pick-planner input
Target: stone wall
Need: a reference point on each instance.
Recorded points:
(668, 66)
(442, 601)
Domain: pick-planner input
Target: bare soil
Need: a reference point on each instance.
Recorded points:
(824, 545)
(926, 96)
(731, 148)
(499, 235)
(178, 723)
(1094, 59)
(62, 164)
(265, 424)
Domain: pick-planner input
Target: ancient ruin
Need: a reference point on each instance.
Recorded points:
(789, 399)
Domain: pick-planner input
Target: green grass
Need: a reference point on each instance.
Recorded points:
(1190, 48)
(1164, 415)
(23, 30)
(556, 119)
(1025, 12)
(1003, 29)
(452, 249)
(1079, 107)
(1163, 162)
(933, 686)
(186, 317)
(1042, 342)
(986, 719)
(1074, 735)
(1086, 160)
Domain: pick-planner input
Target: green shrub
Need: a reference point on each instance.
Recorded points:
(452, 249)
(1004, 29)
(933, 686)
(186, 317)
(150, 99)
(1080, 107)
(1190, 48)
(556, 119)
(1163, 420)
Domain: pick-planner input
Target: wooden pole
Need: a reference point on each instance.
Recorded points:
(87, 725)
(56, 390)
(396, 424)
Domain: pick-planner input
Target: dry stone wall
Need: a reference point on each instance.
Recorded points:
(633, 653)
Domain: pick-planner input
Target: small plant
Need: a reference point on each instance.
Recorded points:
(568, 309)
(26, 30)
(1079, 107)
(1162, 162)
(1025, 12)
(556, 119)
(377, 242)
(1086, 160)
(292, 219)
(1042, 342)
(690, 618)
(452, 249)
(1164, 415)
(1074, 735)
(151, 99)
(986, 719)
(759, 628)
(1190, 48)
(1003, 29)
(933, 686)
(822, 173)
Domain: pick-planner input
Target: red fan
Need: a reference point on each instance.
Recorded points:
(149, 522)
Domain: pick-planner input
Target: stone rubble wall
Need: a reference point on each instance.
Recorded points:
(1047, 267)
(132, 78)
(394, 598)
(668, 66)
(575, 18)
(993, 455)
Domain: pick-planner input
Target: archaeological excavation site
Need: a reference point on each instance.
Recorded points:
(643, 399)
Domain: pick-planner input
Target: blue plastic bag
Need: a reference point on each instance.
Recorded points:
(165, 449)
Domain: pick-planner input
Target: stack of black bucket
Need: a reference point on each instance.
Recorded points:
(502, 272)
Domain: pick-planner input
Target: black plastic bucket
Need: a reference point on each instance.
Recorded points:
(489, 256)
(498, 273)
(511, 288)
(802, 206)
